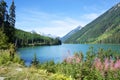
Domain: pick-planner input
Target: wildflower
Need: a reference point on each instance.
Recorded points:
(117, 64)
(98, 64)
(106, 64)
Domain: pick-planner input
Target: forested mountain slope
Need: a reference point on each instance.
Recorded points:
(104, 29)
(24, 38)
(70, 33)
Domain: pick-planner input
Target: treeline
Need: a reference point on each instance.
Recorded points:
(33, 39)
(115, 38)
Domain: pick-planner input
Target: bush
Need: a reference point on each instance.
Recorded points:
(3, 40)
(35, 62)
(5, 58)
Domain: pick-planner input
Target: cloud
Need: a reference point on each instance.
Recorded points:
(91, 16)
(59, 27)
(54, 24)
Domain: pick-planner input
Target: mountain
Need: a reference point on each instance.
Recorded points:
(48, 35)
(64, 38)
(23, 38)
(104, 29)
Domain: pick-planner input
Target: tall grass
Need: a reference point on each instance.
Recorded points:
(6, 59)
(13, 69)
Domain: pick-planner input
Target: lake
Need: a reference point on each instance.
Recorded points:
(58, 52)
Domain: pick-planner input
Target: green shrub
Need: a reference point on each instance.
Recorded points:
(35, 61)
(5, 58)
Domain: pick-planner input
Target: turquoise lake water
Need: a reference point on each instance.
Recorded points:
(58, 52)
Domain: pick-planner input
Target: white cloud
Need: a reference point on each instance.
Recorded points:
(59, 27)
(54, 24)
(91, 16)
(46, 23)
(87, 18)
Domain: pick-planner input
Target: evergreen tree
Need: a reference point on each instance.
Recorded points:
(12, 14)
(1, 20)
(10, 23)
(7, 21)
(3, 12)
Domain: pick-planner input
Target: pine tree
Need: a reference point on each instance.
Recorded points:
(7, 20)
(12, 15)
(10, 23)
(3, 12)
(1, 20)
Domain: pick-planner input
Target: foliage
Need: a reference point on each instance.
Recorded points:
(3, 40)
(104, 29)
(5, 58)
(35, 61)
(19, 72)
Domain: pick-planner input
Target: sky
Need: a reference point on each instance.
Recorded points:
(58, 17)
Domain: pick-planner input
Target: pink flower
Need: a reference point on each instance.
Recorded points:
(106, 64)
(98, 64)
(117, 64)
(78, 60)
(111, 64)
(72, 59)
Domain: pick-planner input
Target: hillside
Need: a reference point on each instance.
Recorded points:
(104, 29)
(23, 38)
(70, 33)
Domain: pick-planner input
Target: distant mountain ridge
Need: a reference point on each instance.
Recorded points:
(71, 33)
(104, 29)
(43, 34)
(24, 38)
